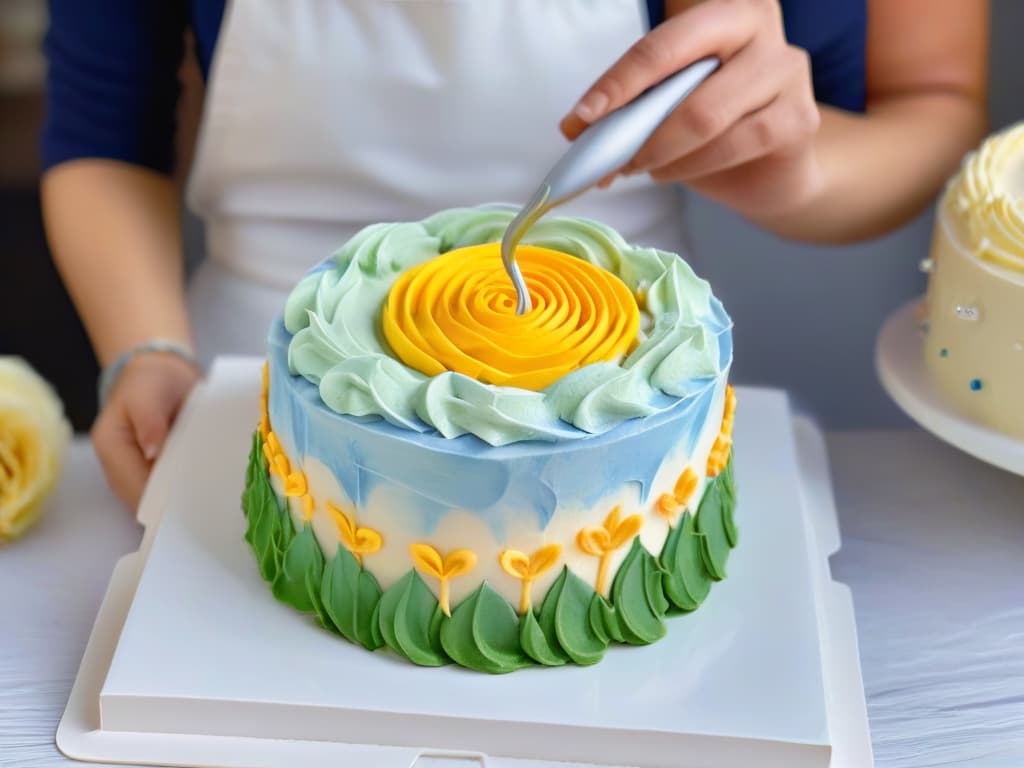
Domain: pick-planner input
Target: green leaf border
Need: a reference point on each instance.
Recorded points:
(572, 623)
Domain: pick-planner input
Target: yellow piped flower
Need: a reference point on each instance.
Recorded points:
(456, 563)
(282, 466)
(357, 540)
(456, 312)
(722, 448)
(264, 400)
(277, 462)
(295, 484)
(602, 540)
(669, 505)
(527, 568)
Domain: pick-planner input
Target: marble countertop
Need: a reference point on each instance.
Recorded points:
(933, 549)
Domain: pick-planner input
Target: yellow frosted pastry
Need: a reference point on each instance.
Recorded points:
(974, 347)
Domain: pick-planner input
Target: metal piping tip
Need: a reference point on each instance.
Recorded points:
(525, 219)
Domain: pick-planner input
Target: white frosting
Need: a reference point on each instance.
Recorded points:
(975, 303)
(382, 513)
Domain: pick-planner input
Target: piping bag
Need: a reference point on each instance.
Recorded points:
(604, 146)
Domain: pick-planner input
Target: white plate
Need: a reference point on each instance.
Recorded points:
(900, 362)
(192, 662)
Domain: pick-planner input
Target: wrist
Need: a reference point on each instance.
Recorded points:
(182, 352)
(799, 198)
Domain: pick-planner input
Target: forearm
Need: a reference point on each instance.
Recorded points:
(880, 169)
(115, 233)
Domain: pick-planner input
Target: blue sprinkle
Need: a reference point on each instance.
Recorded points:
(976, 384)
(943, 352)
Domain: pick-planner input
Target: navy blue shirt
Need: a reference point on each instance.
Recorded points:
(113, 69)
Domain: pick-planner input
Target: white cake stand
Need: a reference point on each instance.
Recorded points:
(900, 363)
(192, 663)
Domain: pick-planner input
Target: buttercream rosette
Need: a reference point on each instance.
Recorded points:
(988, 194)
(33, 438)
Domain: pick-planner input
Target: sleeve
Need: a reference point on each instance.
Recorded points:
(834, 33)
(112, 83)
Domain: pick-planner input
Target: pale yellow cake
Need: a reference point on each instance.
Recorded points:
(974, 344)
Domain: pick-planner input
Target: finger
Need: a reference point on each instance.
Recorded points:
(122, 461)
(150, 426)
(720, 27)
(793, 176)
(748, 83)
(784, 123)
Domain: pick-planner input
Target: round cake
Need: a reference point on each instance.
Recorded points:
(438, 475)
(974, 311)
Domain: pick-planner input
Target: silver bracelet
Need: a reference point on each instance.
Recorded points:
(109, 374)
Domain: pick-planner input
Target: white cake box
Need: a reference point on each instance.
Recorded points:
(192, 662)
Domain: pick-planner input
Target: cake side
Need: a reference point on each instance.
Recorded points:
(974, 340)
(493, 525)
(496, 602)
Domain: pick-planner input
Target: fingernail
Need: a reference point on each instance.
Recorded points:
(590, 107)
(151, 451)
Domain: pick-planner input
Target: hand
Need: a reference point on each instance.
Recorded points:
(745, 136)
(130, 431)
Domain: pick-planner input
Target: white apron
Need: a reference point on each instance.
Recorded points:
(323, 116)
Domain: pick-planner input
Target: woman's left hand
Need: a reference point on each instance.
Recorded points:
(745, 137)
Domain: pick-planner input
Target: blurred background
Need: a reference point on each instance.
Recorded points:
(830, 337)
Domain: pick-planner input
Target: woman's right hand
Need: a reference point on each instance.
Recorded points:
(130, 431)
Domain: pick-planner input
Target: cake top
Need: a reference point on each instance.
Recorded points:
(415, 323)
(987, 195)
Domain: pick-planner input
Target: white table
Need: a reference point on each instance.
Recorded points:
(933, 547)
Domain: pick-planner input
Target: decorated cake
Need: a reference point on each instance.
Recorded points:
(437, 475)
(974, 311)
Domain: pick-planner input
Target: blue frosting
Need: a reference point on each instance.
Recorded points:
(496, 483)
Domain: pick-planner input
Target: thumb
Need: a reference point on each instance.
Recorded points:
(150, 425)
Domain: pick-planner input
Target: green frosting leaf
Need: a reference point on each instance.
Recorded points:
(638, 598)
(572, 620)
(302, 560)
(313, 591)
(350, 595)
(249, 507)
(728, 482)
(376, 635)
(537, 634)
(264, 515)
(483, 633)
(686, 582)
(596, 617)
(537, 645)
(711, 524)
(409, 619)
(604, 620)
(253, 469)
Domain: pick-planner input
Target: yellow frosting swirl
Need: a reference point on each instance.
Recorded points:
(989, 195)
(457, 312)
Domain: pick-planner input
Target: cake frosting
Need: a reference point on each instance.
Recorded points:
(436, 474)
(338, 344)
(974, 311)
